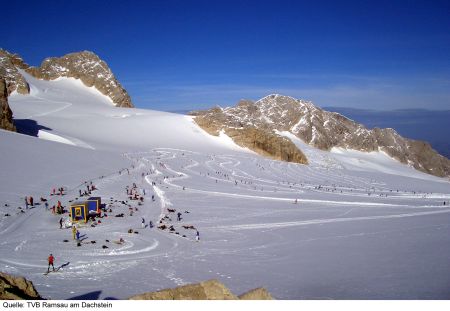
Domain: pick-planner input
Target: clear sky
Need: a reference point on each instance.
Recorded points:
(175, 55)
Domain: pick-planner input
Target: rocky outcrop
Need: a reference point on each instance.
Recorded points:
(256, 294)
(267, 144)
(6, 116)
(16, 288)
(9, 65)
(262, 140)
(208, 290)
(319, 128)
(87, 67)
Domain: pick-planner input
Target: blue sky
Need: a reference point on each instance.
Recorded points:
(175, 55)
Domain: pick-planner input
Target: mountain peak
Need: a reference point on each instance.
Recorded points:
(84, 65)
(87, 67)
(323, 130)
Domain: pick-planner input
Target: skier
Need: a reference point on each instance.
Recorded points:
(78, 235)
(143, 223)
(60, 223)
(179, 216)
(197, 236)
(31, 201)
(150, 224)
(153, 197)
(26, 202)
(74, 232)
(50, 263)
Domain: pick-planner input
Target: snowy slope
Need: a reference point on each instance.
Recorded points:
(349, 225)
(87, 118)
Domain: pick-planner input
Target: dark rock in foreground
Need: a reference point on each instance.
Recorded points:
(16, 288)
(208, 290)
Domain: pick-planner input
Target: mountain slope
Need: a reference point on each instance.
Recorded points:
(66, 110)
(321, 129)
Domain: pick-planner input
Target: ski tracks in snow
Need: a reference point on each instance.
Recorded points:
(322, 221)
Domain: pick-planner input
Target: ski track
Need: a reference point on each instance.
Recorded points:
(321, 221)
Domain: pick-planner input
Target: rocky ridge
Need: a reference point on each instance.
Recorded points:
(259, 139)
(6, 116)
(319, 128)
(85, 65)
(9, 65)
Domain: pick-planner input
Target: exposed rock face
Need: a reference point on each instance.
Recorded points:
(209, 290)
(87, 67)
(6, 116)
(9, 64)
(321, 129)
(260, 139)
(16, 288)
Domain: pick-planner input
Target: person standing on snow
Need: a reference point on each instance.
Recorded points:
(197, 236)
(26, 202)
(60, 223)
(74, 232)
(51, 259)
(143, 223)
(77, 234)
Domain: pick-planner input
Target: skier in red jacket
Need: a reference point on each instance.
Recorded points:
(51, 259)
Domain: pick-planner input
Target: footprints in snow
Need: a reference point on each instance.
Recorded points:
(219, 274)
(19, 247)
